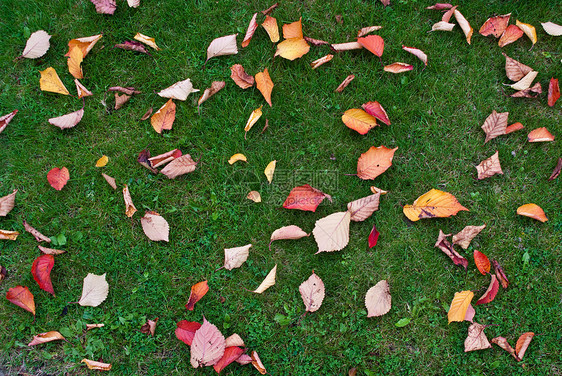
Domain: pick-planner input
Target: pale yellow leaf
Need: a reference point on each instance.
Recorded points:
(443, 26)
(270, 26)
(99, 366)
(465, 26)
(50, 81)
(525, 82)
(270, 170)
(254, 196)
(222, 46)
(147, 40)
(237, 157)
(94, 291)
(268, 281)
(529, 30)
(234, 340)
(338, 47)
(180, 90)
(254, 117)
(37, 45)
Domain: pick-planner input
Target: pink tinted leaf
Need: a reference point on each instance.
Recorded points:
(491, 292)
(185, 331)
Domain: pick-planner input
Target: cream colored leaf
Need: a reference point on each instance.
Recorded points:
(332, 232)
(529, 30)
(180, 90)
(525, 82)
(234, 340)
(378, 299)
(366, 30)
(465, 236)
(254, 196)
(155, 227)
(323, 60)
(459, 306)
(179, 166)
(69, 120)
(99, 366)
(237, 157)
(465, 26)
(552, 29)
(147, 40)
(222, 46)
(235, 257)
(270, 170)
(476, 339)
(338, 47)
(37, 45)
(94, 326)
(9, 235)
(133, 3)
(268, 281)
(81, 89)
(46, 337)
(489, 167)
(363, 208)
(7, 203)
(94, 291)
(288, 232)
(442, 26)
(109, 180)
(312, 293)
(495, 125)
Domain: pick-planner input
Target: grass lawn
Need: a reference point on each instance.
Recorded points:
(436, 116)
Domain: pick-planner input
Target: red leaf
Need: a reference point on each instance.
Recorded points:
(553, 91)
(41, 271)
(305, 198)
(490, 294)
(185, 331)
(373, 237)
(198, 291)
(230, 355)
(500, 274)
(375, 109)
(447, 248)
(522, 344)
(373, 43)
(22, 297)
(58, 177)
(482, 262)
(4, 120)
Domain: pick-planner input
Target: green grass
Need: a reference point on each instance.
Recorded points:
(436, 116)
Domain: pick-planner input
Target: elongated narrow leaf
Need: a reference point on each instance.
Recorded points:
(268, 281)
(5, 120)
(265, 85)
(270, 26)
(46, 337)
(36, 234)
(130, 208)
(522, 344)
(250, 31)
(491, 292)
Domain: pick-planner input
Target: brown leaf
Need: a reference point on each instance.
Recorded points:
(69, 120)
(270, 9)
(155, 227)
(363, 208)
(7, 203)
(398, 67)
(440, 6)
(553, 92)
(58, 177)
(240, 77)
(132, 45)
(8, 235)
(500, 274)
(510, 35)
(235, 257)
(465, 236)
(374, 162)
(124, 90)
(293, 30)
(144, 160)
(305, 198)
(250, 31)
(179, 166)
(315, 42)
(3, 273)
(256, 362)
(198, 291)
(265, 85)
(495, 25)
(489, 167)
(129, 206)
(109, 180)
(522, 344)
(22, 297)
(332, 232)
(46, 337)
(120, 100)
(476, 339)
(147, 114)
(378, 299)
(149, 327)
(495, 125)
(99, 366)
(447, 248)
(222, 46)
(50, 251)
(345, 82)
(164, 117)
(5, 120)
(514, 69)
(36, 234)
(556, 171)
(312, 293)
(502, 342)
(41, 272)
(216, 86)
(491, 292)
(323, 60)
(105, 7)
(540, 135)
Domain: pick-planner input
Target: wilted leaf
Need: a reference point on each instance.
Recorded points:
(216, 86)
(358, 120)
(305, 198)
(522, 344)
(124, 90)
(514, 70)
(198, 291)
(149, 327)
(476, 339)
(3, 273)
(374, 162)
(268, 281)
(339, 47)
(105, 7)
(533, 211)
(5, 120)
(130, 209)
(240, 77)
(256, 362)
(37, 45)
(81, 90)
(293, 30)
(46, 337)
(444, 245)
(291, 232)
(265, 85)
(373, 43)
(235, 257)
(495, 25)
(556, 171)
(529, 30)
(7, 203)
(316, 42)
(50, 251)
(254, 196)
(41, 271)
(514, 127)
(270, 26)
(185, 331)
(94, 290)
(489, 167)
(495, 125)
(378, 299)
(36, 234)
(540, 135)
(237, 157)
(8, 235)
(510, 35)
(363, 208)
(147, 40)
(465, 236)
(58, 177)
(250, 31)
(459, 305)
(222, 46)
(398, 67)
(375, 109)
(179, 166)
(417, 53)
(332, 232)
(254, 117)
(146, 114)
(180, 90)
(443, 26)
(378, 190)
(231, 353)
(553, 91)
(525, 82)
(491, 292)
(312, 293)
(440, 6)
(162, 159)
(85, 44)
(345, 82)
(323, 60)
(132, 45)
(500, 274)
(109, 180)
(552, 29)
(502, 342)
(22, 297)
(50, 81)
(164, 117)
(366, 30)
(155, 227)
(373, 237)
(270, 170)
(92, 364)
(69, 120)
(74, 61)
(465, 26)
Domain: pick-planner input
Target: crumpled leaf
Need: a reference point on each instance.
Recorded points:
(237, 157)
(120, 100)
(552, 29)
(495, 125)
(491, 292)
(344, 83)
(92, 364)
(417, 53)
(37, 45)
(359, 120)
(36, 234)
(41, 271)
(375, 109)
(124, 90)
(373, 43)
(198, 291)
(3, 273)
(7, 203)
(109, 180)
(74, 62)
(268, 281)
(362, 208)
(373, 237)
(489, 167)
(540, 135)
(532, 211)
(265, 85)
(293, 30)
(235, 257)
(465, 26)
(179, 166)
(222, 46)
(465, 236)
(254, 117)
(366, 30)
(459, 306)
(46, 337)
(510, 35)
(495, 25)
(522, 344)
(85, 44)
(502, 342)
(130, 209)
(162, 159)
(50, 81)
(514, 70)
(147, 40)
(378, 299)
(270, 26)
(22, 297)
(444, 245)
(149, 327)
(216, 86)
(323, 60)
(231, 353)
(556, 171)
(58, 177)
(105, 7)
(525, 82)
(81, 90)
(553, 91)
(254, 196)
(312, 293)
(155, 227)
(270, 170)
(180, 90)
(5, 120)
(291, 232)
(69, 120)
(240, 77)
(50, 251)
(132, 45)
(8, 235)
(476, 339)
(185, 331)
(440, 6)
(500, 274)
(529, 30)
(250, 31)
(94, 290)
(332, 232)
(374, 162)
(398, 67)
(164, 117)
(305, 198)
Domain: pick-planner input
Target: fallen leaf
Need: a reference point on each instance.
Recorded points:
(270, 170)
(378, 190)
(476, 339)
(500, 274)
(81, 90)
(234, 340)
(305, 198)
(37, 45)
(3, 273)
(265, 85)
(180, 90)
(514, 127)
(345, 82)
(552, 29)
(94, 290)
(417, 53)
(514, 70)
(240, 77)
(465, 26)
(254, 117)
(50, 81)
(373, 43)
(185, 331)
(102, 162)
(74, 61)
(69, 120)
(312, 293)
(46, 337)
(374, 162)
(440, 6)
(22, 297)
(332, 232)
(41, 271)
(162, 159)
(358, 120)
(375, 109)
(465, 236)
(36, 234)
(7, 203)
(491, 292)
(94, 326)
(293, 30)
(92, 364)
(85, 44)
(291, 232)
(155, 227)
(443, 26)
(222, 46)
(378, 299)
(8, 235)
(237, 157)
(130, 209)
(58, 177)
(105, 7)
(179, 166)
(147, 114)
(459, 306)
(495, 25)
(540, 135)
(198, 291)
(502, 342)
(132, 45)
(444, 245)
(147, 40)
(398, 67)
(373, 237)
(6, 119)
(133, 3)
(495, 125)
(323, 60)
(489, 167)
(268, 281)
(510, 35)
(529, 30)
(532, 211)
(256, 362)
(363, 208)
(270, 9)
(556, 171)
(315, 42)
(164, 117)
(339, 47)
(250, 31)
(270, 26)
(109, 180)
(235, 257)
(149, 327)
(254, 196)
(470, 312)
(216, 86)
(448, 14)
(522, 344)
(124, 90)
(231, 353)
(352, 372)
(50, 251)
(525, 82)
(366, 30)
(553, 91)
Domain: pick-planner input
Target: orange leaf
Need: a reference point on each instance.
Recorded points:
(50, 81)
(358, 120)
(256, 362)
(45, 337)
(305, 198)
(532, 211)
(375, 109)
(91, 364)
(482, 262)
(434, 203)
(22, 297)
(495, 25)
(58, 177)
(81, 89)
(514, 127)
(250, 31)
(292, 48)
(198, 291)
(373, 43)
(270, 26)
(398, 67)
(129, 206)
(510, 35)
(540, 135)
(293, 30)
(85, 44)
(41, 271)
(495, 125)
(75, 58)
(459, 306)
(553, 92)
(164, 117)
(264, 85)
(522, 344)
(240, 77)
(374, 162)
(323, 60)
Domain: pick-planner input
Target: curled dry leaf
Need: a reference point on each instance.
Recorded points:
(443, 26)
(256, 362)
(476, 339)
(502, 342)
(109, 180)
(105, 6)
(332, 232)
(3, 273)
(50, 81)
(373, 43)
(465, 26)
(417, 53)
(129, 206)
(22, 297)
(155, 227)
(514, 127)
(378, 299)
(133, 3)
(510, 35)
(94, 326)
(270, 170)
(291, 232)
(164, 117)
(495, 25)
(37, 45)
(293, 30)
(367, 30)
(312, 293)
(74, 62)
(265, 85)
(532, 211)
(373, 237)
(375, 109)
(7, 203)
(525, 82)
(94, 290)
(315, 42)
(147, 114)
(448, 14)
(444, 245)
(231, 353)
(323, 60)
(398, 67)
(69, 120)
(58, 177)
(85, 44)
(124, 90)
(250, 31)
(529, 30)
(8, 235)
(41, 271)
(36, 234)
(5, 120)
(465, 236)
(374, 162)
(270, 26)
(132, 45)
(81, 90)
(459, 306)
(363, 208)
(185, 331)
(180, 90)
(556, 171)
(147, 40)
(268, 281)
(514, 70)
(358, 120)
(540, 135)
(50, 251)
(149, 327)
(270, 9)
(522, 344)
(254, 117)
(92, 364)
(552, 29)
(489, 167)
(120, 100)
(222, 46)
(162, 159)
(198, 291)
(237, 157)
(339, 47)
(345, 82)
(500, 274)
(254, 196)
(491, 292)
(216, 86)
(179, 166)
(553, 92)
(305, 198)
(495, 125)
(378, 190)
(46, 337)
(235, 257)
(234, 340)
(440, 6)
(240, 77)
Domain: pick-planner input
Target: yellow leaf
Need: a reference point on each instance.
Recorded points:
(269, 170)
(434, 203)
(359, 120)
(254, 117)
(86, 44)
(264, 85)
(270, 25)
(50, 81)
(293, 30)
(74, 60)
(529, 30)
(292, 49)
(268, 281)
(459, 305)
(237, 157)
(102, 161)
(147, 40)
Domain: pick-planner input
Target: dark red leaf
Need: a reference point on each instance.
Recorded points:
(185, 331)
(41, 271)
(373, 237)
(491, 292)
